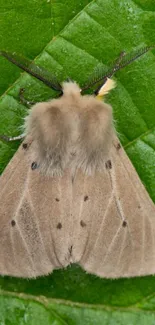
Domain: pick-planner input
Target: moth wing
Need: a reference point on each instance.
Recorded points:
(34, 238)
(115, 221)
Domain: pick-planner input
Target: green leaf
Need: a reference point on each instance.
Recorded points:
(26, 309)
(70, 38)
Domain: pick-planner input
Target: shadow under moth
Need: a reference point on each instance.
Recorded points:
(70, 194)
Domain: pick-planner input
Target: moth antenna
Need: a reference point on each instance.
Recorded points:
(123, 60)
(35, 70)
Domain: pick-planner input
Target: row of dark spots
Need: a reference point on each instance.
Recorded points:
(59, 225)
(85, 198)
(34, 165)
(108, 165)
(82, 224)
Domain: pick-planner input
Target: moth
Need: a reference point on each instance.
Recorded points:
(70, 194)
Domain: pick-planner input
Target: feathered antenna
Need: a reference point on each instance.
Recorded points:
(35, 70)
(101, 75)
(123, 60)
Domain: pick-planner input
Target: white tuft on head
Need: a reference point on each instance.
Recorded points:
(70, 88)
(104, 90)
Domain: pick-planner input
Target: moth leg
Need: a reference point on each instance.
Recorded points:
(23, 100)
(9, 139)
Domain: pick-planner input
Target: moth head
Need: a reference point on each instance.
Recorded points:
(70, 88)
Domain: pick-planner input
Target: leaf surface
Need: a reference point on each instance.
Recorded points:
(70, 38)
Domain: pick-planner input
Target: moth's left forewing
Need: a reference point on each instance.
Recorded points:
(121, 223)
(140, 212)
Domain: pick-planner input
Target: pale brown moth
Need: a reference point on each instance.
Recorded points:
(71, 195)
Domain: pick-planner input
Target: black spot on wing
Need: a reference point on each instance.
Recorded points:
(82, 224)
(34, 165)
(118, 146)
(59, 225)
(124, 224)
(13, 223)
(108, 164)
(25, 145)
